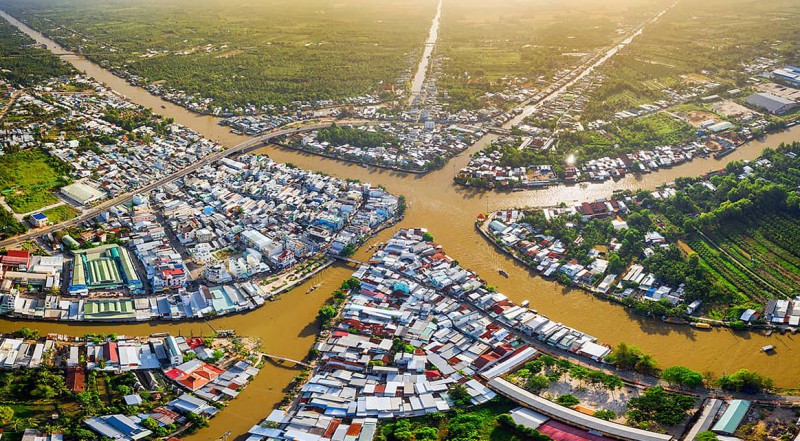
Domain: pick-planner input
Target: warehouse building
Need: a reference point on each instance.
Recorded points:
(82, 193)
(771, 103)
(105, 267)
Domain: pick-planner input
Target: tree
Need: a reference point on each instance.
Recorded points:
(706, 436)
(537, 383)
(682, 376)
(43, 391)
(629, 357)
(326, 313)
(656, 405)
(459, 394)
(427, 237)
(6, 415)
(26, 333)
(150, 423)
(745, 381)
(605, 414)
(568, 400)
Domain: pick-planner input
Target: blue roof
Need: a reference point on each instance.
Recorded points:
(39, 216)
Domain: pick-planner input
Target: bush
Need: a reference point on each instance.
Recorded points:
(745, 381)
(605, 414)
(568, 400)
(682, 376)
(537, 383)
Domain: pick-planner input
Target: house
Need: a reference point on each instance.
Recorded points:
(39, 220)
(117, 427)
(732, 418)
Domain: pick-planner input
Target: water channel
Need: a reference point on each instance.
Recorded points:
(287, 328)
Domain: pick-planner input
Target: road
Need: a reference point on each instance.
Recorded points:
(123, 198)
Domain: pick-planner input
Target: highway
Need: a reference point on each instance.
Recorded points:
(123, 198)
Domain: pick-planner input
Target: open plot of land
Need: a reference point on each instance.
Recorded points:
(274, 51)
(27, 178)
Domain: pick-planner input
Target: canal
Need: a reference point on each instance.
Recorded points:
(287, 327)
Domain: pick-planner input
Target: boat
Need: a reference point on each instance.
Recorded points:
(525, 303)
(503, 273)
(677, 320)
(310, 290)
(767, 349)
(701, 325)
(163, 106)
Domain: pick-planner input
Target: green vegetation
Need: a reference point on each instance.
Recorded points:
(27, 178)
(568, 400)
(682, 376)
(625, 136)
(706, 436)
(739, 233)
(267, 52)
(486, 422)
(484, 42)
(9, 226)
(745, 381)
(657, 406)
(24, 64)
(707, 41)
(629, 357)
(338, 135)
(61, 213)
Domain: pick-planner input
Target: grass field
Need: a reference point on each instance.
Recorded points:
(271, 51)
(27, 178)
(61, 213)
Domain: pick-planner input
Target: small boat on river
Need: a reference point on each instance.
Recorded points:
(503, 273)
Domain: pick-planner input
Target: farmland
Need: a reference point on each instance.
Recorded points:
(696, 42)
(483, 41)
(270, 52)
(757, 259)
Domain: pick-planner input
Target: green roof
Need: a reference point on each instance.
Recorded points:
(732, 418)
(108, 309)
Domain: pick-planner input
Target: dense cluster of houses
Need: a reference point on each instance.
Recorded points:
(548, 255)
(277, 214)
(236, 219)
(416, 325)
(420, 147)
(125, 164)
(206, 377)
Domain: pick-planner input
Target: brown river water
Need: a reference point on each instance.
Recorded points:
(287, 327)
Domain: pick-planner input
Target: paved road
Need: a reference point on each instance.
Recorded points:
(123, 198)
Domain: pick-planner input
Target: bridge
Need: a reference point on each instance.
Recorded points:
(126, 197)
(350, 260)
(285, 359)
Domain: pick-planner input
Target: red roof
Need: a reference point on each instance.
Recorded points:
(561, 432)
(110, 351)
(16, 257)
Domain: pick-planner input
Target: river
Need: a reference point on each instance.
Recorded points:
(448, 211)
(419, 78)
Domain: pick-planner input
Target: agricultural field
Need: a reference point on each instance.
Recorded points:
(266, 52)
(697, 42)
(483, 41)
(27, 179)
(757, 259)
